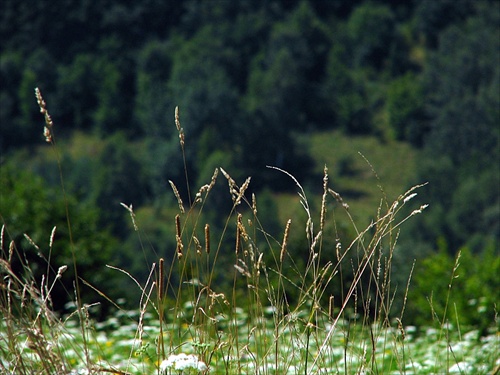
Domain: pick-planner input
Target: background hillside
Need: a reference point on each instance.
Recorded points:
(413, 86)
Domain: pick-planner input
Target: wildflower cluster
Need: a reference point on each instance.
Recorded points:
(181, 362)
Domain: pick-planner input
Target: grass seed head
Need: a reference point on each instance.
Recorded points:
(198, 245)
(285, 239)
(178, 236)
(323, 199)
(177, 195)
(132, 215)
(238, 234)
(47, 130)
(207, 238)
(161, 278)
(179, 128)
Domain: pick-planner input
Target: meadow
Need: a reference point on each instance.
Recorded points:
(277, 316)
(114, 346)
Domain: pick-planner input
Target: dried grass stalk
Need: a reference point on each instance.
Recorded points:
(207, 238)
(178, 236)
(47, 130)
(177, 195)
(285, 239)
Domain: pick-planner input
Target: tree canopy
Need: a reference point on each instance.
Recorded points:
(251, 78)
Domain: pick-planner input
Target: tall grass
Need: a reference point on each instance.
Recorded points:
(279, 315)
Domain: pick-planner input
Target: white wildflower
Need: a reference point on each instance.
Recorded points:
(460, 368)
(181, 362)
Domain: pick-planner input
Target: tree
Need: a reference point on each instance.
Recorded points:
(89, 95)
(372, 30)
(346, 91)
(119, 178)
(284, 81)
(462, 82)
(19, 76)
(405, 107)
(432, 17)
(200, 86)
(284, 93)
(10, 76)
(153, 107)
(208, 101)
(77, 92)
(36, 210)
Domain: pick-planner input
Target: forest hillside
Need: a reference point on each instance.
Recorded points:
(386, 94)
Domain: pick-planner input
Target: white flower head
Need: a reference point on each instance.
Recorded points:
(182, 362)
(409, 197)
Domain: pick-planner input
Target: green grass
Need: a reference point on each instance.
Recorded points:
(386, 172)
(364, 170)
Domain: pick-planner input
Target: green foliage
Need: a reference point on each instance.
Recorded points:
(285, 77)
(204, 91)
(154, 63)
(254, 81)
(460, 291)
(432, 17)
(106, 117)
(405, 107)
(19, 75)
(464, 139)
(284, 93)
(89, 94)
(474, 213)
(78, 87)
(35, 211)
(348, 97)
(463, 92)
(117, 180)
(371, 30)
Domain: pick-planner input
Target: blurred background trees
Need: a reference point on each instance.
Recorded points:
(255, 81)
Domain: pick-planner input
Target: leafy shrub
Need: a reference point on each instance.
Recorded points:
(463, 291)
